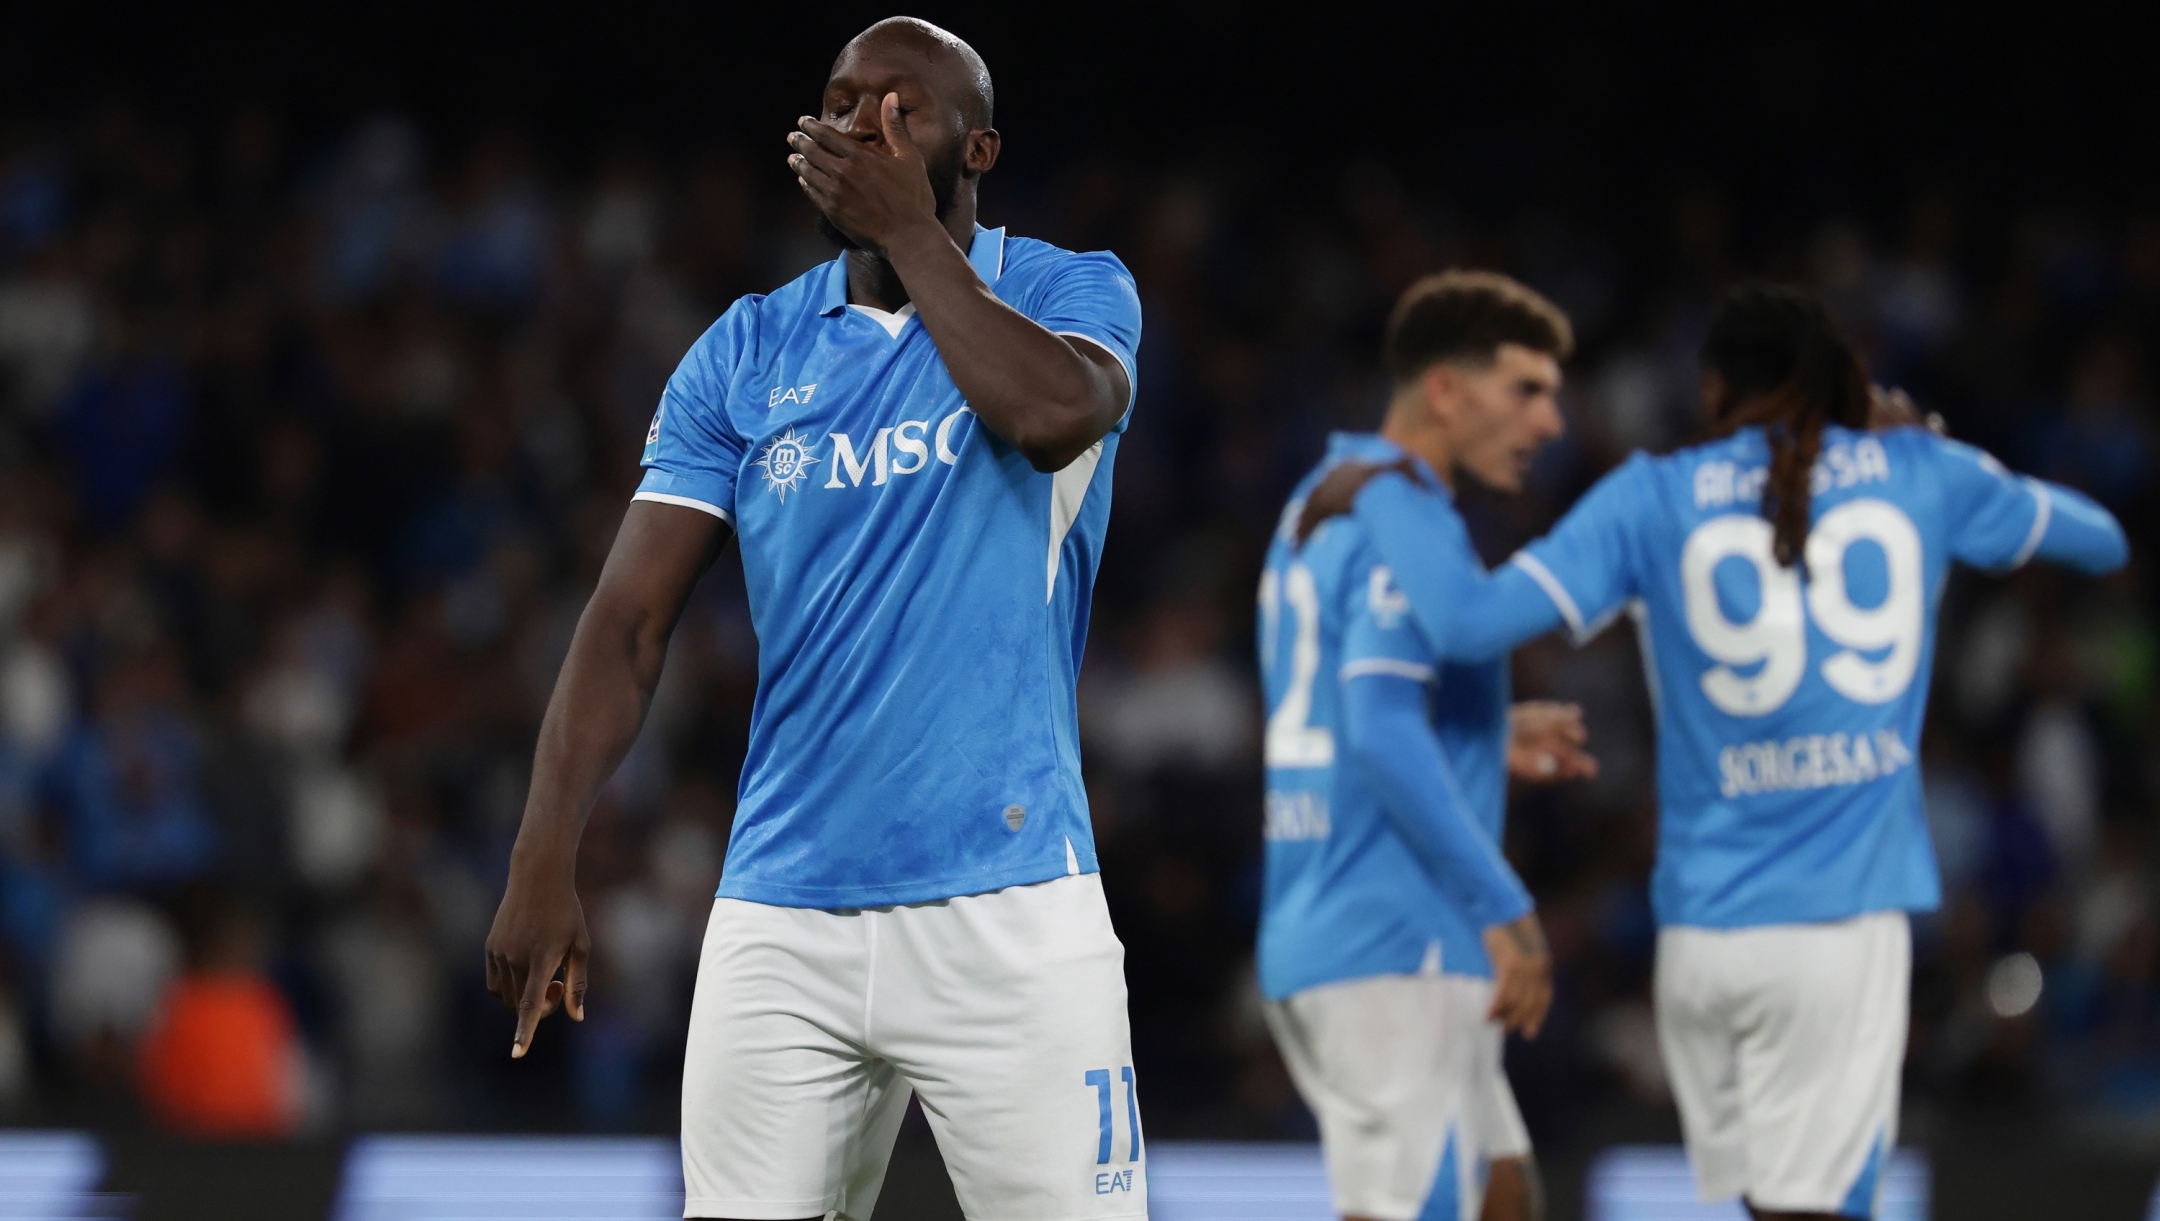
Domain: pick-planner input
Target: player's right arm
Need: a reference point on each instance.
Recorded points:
(594, 715)
(1389, 738)
(1573, 577)
(681, 516)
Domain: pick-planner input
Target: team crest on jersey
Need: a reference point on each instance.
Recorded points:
(652, 435)
(786, 459)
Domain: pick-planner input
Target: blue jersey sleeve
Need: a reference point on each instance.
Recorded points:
(1379, 636)
(692, 451)
(1092, 297)
(1388, 734)
(2000, 520)
(1585, 567)
(1464, 614)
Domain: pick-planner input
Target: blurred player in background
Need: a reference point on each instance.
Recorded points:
(914, 444)
(1784, 579)
(1395, 940)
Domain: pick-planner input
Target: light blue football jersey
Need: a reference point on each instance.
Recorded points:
(920, 593)
(1345, 897)
(1788, 705)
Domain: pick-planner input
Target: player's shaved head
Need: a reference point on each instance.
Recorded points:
(961, 74)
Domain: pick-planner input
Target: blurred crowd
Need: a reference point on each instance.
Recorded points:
(310, 450)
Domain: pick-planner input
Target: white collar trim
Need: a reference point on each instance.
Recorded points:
(891, 322)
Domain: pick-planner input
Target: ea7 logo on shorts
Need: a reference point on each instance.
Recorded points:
(1110, 1182)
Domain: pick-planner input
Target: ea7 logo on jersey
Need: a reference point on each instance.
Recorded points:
(786, 459)
(791, 394)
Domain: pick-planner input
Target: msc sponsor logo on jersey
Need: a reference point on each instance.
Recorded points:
(1843, 465)
(906, 448)
(786, 459)
(1810, 761)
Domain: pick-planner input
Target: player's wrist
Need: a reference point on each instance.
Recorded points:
(915, 242)
(544, 859)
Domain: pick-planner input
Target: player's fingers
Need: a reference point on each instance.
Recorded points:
(1507, 1000)
(1568, 723)
(824, 136)
(810, 171)
(532, 1005)
(816, 155)
(1534, 1015)
(573, 980)
(896, 132)
(512, 977)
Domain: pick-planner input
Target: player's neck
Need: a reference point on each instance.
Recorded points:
(874, 282)
(1423, 439)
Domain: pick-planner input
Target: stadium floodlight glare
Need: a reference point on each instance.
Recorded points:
(2013, 985)
(46, 1176)
(441, 1178)
(1238, 1182)
(1653, 1183)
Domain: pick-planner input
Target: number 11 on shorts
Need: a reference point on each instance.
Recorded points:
(1100, 1079)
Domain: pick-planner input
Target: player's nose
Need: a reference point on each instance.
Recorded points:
(865, 120)
(1554, 421)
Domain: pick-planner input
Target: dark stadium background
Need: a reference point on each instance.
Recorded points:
(327, 340)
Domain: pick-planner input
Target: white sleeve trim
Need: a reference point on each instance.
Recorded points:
(1132, 384)
(2044, 509)
(1392, 666)
(1556, 591)
(686, 502)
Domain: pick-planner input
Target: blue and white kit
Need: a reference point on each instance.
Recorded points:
(920, 593)
(912, 796)
(1386, 790)
(1789, 704)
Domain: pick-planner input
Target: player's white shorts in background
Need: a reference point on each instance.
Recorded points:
(1403, 1072)
(1004, 1011)
(1784, 1044)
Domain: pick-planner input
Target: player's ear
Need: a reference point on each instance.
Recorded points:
(1443, 385)
(981, 151)
(1711, 387)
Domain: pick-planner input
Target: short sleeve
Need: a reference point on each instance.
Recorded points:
(1092, 297)
(692, 451)
(1379, 635)
(1995, 519)
(1585, 565)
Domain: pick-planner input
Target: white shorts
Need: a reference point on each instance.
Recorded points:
(1784, 1044)
(1403, 1073)
(1004, 1012)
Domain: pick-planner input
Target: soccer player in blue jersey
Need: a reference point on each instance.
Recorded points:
(1395, 941)
(1783, 579)
(913, 444)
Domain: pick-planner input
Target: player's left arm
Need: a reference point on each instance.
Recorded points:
(2003, 520)
(1049, 396)
(2079, 533)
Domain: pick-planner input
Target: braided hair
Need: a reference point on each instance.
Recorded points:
(1784, 364)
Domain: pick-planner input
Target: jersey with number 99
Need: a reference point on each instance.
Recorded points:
(1789, 700)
